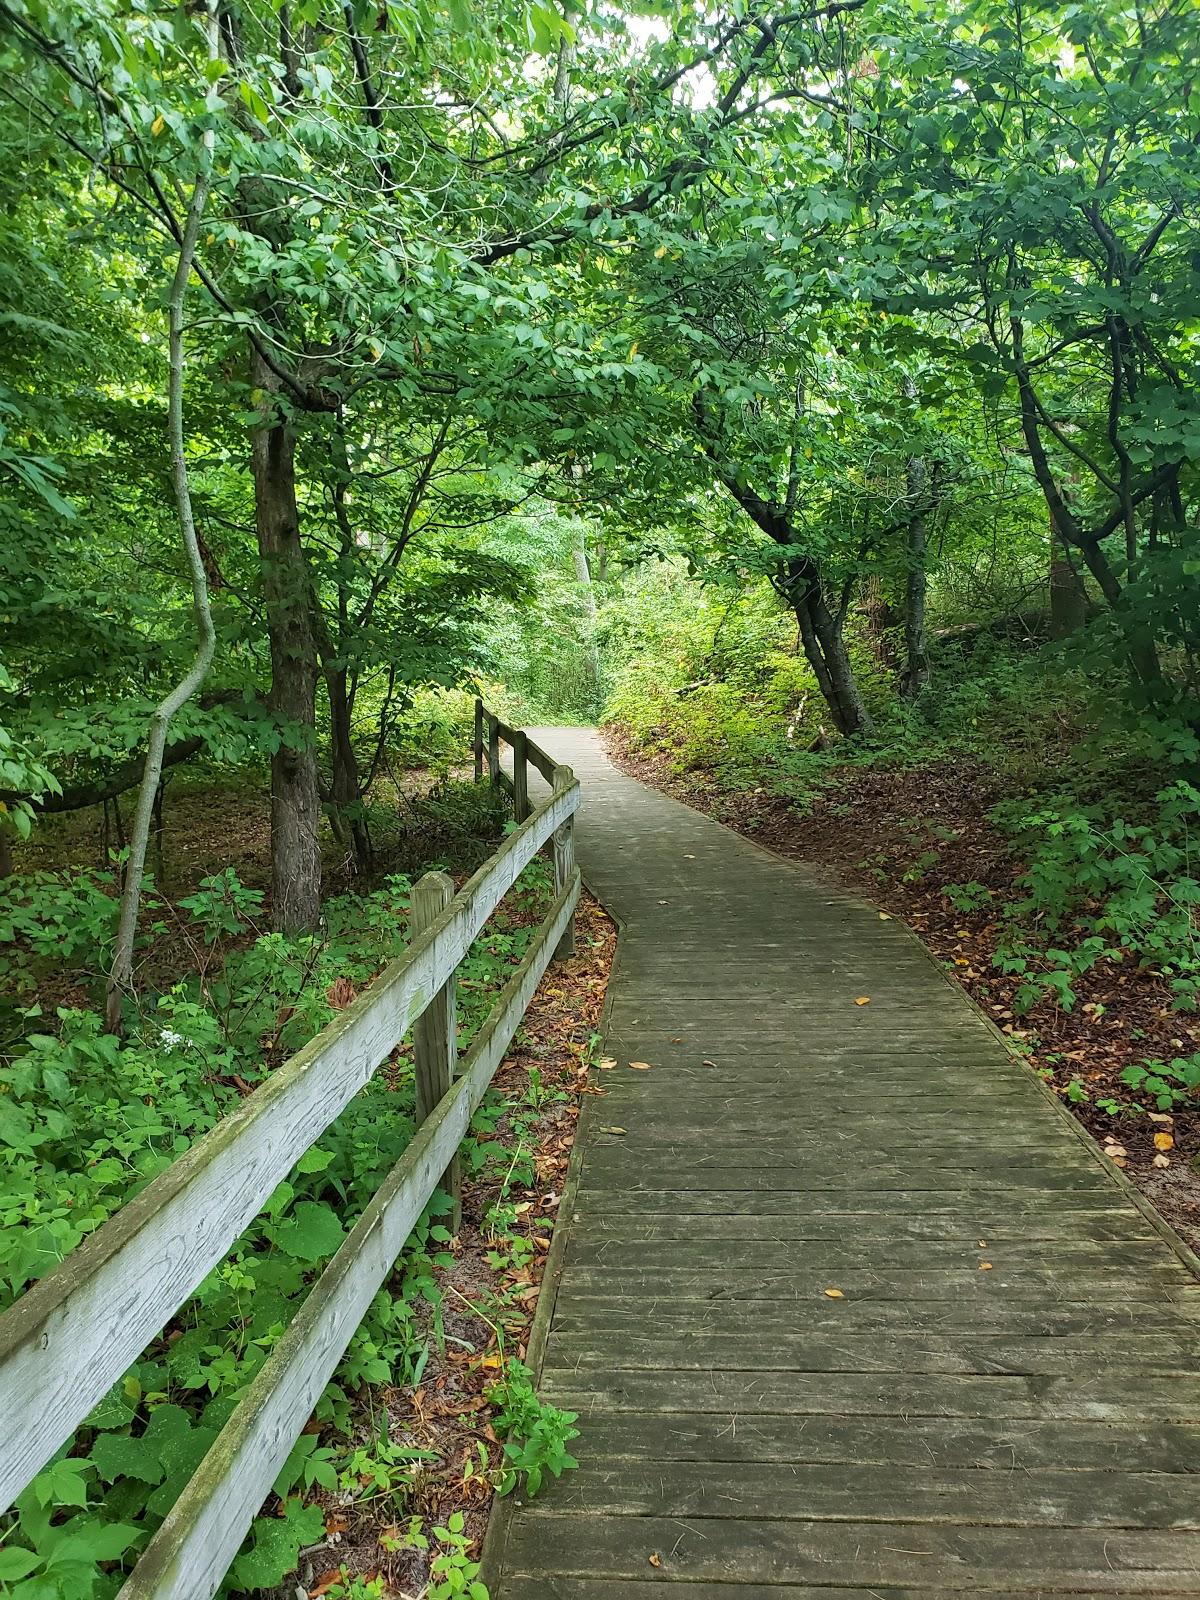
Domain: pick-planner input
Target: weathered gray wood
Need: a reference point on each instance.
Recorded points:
(520, 749)
(941, 1430)
(1107, 1561)
(781, 1347)
(435, 1037)
(564, 857)
(493, 748)
(477, 741)
(95, 1313)
(1088, 1396)
(808, 1492)
(191, 1552)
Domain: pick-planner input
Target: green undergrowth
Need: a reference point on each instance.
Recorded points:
(86, 1122)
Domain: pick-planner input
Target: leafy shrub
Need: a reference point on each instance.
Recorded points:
(1108, 887)
(85, 1121)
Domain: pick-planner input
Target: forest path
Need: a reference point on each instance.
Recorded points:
(848, 1307)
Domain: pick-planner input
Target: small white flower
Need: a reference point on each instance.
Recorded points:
(169, 1039)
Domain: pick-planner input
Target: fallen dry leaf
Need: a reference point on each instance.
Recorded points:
(640, 1066)
(834, 1294)
(1163, 1141)
(985, 1266)
(863, 1000)
(655, 1559)
(617, 1131)
(1161, 1161)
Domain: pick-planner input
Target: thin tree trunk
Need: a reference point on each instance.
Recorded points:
(120, 978)
(854, 718)
(916, 642)
(824, 643)
(295, 794)
(1068, 597)
(583, 577)
(345, 794)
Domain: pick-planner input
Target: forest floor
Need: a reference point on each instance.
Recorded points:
(475, 1314)
(901, 836)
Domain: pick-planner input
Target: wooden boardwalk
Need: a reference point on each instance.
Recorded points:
(848, 1307)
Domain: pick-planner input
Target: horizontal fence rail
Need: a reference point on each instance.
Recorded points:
(73, 1334)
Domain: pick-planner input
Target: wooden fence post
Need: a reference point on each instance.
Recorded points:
(477, 746)
(493, 751)
(564, 861)
(520, 774)
(435, 1036)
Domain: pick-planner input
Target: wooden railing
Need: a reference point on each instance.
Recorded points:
(71, 1337)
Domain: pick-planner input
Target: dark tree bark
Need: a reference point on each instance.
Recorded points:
(1068, 597)
(823, 638)
(295, 795)
(916, 642)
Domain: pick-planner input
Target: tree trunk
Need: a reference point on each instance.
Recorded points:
(825, 648)
(916, 643)
(345, 795)
(1068, 597)
(877, 618)
(120, 976)
(295, 796)
(583, 577)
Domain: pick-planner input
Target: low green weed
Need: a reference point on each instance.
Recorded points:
(85, 1121)
(535, 1433)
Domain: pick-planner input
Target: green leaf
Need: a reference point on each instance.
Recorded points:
(278, 1542)
(16, 1564)
(311, 1234)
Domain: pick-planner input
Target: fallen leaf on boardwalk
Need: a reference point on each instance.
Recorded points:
(655, 1559)
(677, 1041)
(608, 1063)
(1163, 1141)
(985, 1266)
(617, 1131)
(1162, 1161)
(640, 1066)
(834, 1294)
(863, 1000)
(883, 917)
(708, 1063)
(689, 857)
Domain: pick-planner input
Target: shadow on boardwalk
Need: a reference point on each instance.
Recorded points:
(849, 1307)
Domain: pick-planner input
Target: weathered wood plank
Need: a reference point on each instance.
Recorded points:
(870, 1492)
(1031, 1429)
(435, 1036)
(191, 1552)
(920, 1442)
(1100, 1561)
(564, 857)
(1088, 1396)
(95, 1313)
(578, 1347)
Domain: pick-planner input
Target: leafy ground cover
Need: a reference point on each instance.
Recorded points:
(1012, 911)
(431, 1410)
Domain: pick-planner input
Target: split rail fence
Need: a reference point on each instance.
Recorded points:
(75, 1333)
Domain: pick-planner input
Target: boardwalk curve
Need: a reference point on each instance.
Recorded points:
(848, 1307)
